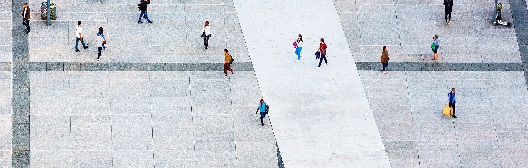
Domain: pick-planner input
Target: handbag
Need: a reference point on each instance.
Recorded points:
(448, 111)
(317, 55)
(231, 61)
(203, 34)
(104, 41)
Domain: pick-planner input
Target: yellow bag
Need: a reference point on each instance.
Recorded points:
(448, 111)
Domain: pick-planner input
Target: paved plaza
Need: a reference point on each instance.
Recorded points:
(158, 99)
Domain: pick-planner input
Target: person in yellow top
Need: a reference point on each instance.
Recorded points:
(384, 59)
(227, 62)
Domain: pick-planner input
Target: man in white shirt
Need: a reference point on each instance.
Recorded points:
(99, 43)
(79, 37)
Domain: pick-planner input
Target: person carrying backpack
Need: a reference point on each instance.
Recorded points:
(452, 100)
(434, 47)
(263, 111)
(448, 8)
(143, 5)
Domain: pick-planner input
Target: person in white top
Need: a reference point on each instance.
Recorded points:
(298, 47)
(99, 43)
(79, 37)
(206, 33)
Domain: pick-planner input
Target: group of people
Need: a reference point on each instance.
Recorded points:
(320, 54)
(100, 40)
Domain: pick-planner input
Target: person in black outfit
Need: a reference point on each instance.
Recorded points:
(143, 5)
(448, 8)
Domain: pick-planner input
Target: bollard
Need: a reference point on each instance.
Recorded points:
(48, 13)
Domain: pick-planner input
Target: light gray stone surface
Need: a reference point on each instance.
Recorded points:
(5, 119)
(407, 28)
(147, 119)
(321, 117)
(173, 37)
(490, 130)
(5, 31)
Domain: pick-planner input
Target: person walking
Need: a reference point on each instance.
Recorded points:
(143, 5)
(79, 37)
(434, 47)
(322, 52)
(26, 14)
(99, 43)
(452, 100)
(262, 108)
(448, 8)
(385, 59)
(100, 32)
(206, 33)
(227, 62)
(298, 47)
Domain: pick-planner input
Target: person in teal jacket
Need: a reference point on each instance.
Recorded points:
(262, 108)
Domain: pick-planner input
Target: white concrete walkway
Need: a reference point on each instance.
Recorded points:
(321, 117)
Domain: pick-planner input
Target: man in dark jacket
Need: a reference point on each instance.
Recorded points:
(448, 8)
(143, 5)
(26, 13)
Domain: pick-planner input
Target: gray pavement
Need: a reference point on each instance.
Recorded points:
(148, 119)
(490, 130)
(157, 99)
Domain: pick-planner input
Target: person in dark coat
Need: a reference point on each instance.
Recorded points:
(26, 14)
(448, 8)
(143, 5)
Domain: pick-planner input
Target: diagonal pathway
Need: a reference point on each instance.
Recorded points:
(20, 99)
(321, 118)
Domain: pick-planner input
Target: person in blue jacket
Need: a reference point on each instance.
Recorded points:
(452, 100)
(262, 108)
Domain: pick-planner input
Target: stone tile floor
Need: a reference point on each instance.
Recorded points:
(174, 36)
(407, 28)
(490, 130)
(146, 119)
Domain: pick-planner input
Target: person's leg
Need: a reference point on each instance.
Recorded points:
(225, 68)
(146, 16)
(99, 52)
(383, 66)
(453, 108)
(140, 15)
(326, 62)
(320, 61)
(206, 41)
(229, 68)
(298, 52)
(77, 44)
(449, 19)
(262, 116)
(84, 45)
(445, 16)
(28, 27)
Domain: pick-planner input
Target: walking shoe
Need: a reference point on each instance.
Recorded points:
(232, 71)
(384, 72)
(97, 59)
(140, 22)
(454, 116)
(150, 22)
(76, 50)
(296, 60)
(86, 47)
(225, 74)
(449, 23)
